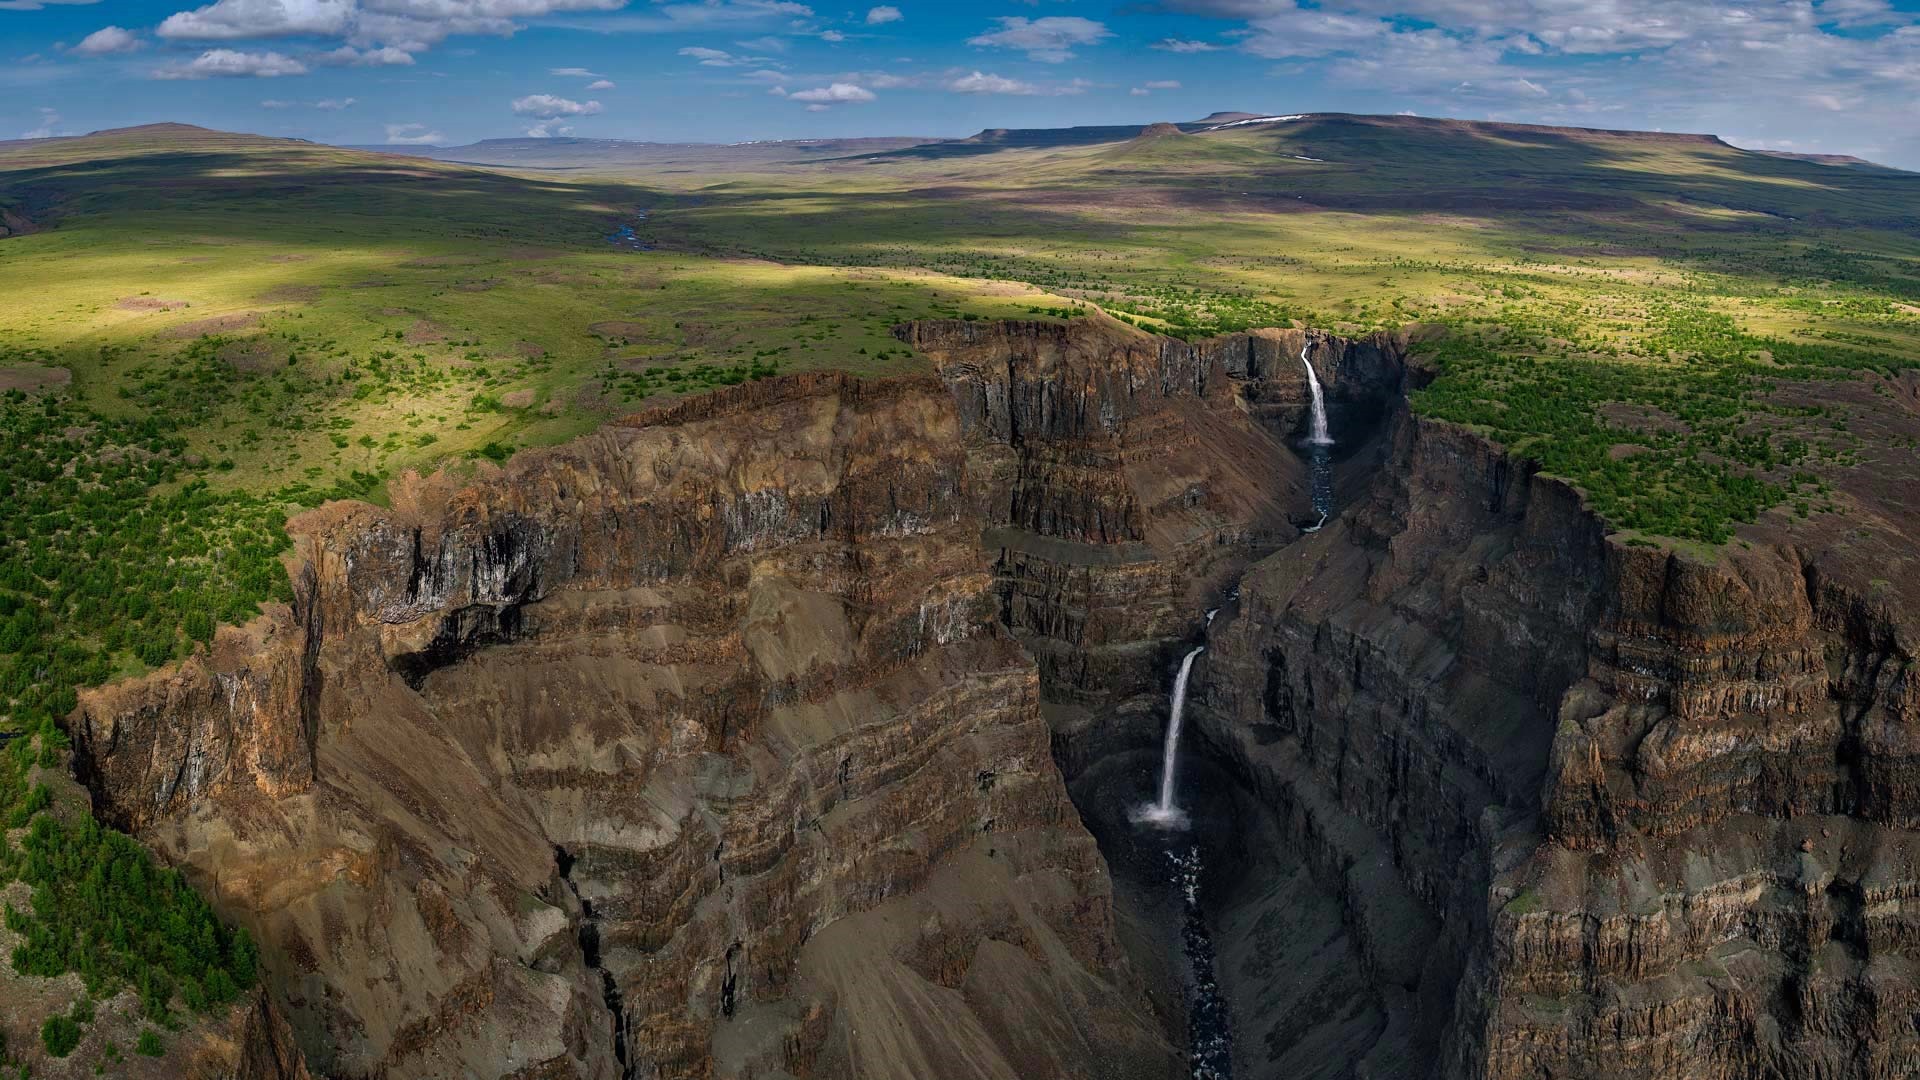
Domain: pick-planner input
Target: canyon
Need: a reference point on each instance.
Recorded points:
(791, 731)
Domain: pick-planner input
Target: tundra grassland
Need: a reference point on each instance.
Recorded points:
(205, 332)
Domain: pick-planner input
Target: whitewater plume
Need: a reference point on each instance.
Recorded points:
(1164, 813)
(1319, 436)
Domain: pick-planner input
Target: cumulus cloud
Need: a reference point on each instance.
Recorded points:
(48, 118)
(233, 64)
(348, 56)
(837, 93)
(550, 106)
(883, 14)
(601, 84)
(408, 25)
(1177, 45)
(239, 20)
(106, 41)
(1050, 39)
(722, 58)
(985, 83)
(412, 135)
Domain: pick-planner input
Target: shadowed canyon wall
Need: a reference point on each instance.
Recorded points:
(691, 748)
(730, 740)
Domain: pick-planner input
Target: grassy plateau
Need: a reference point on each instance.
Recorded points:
(205, 332)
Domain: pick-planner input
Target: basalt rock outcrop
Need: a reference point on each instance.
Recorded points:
(729, 741)
(1591, 808)
(692, 748)
(1127, 481)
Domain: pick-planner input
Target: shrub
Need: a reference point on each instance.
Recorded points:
(60, 1035)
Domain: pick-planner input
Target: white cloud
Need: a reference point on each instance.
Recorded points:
(36, 5)
(1139, 91)
(722, 58)
(1164, 84)
(767, 44)
(601, 84)
(412, 135)
(1176, 45)
(883, 14)
(408, 25)
(108, 40)
(837, 93)
(574, 73)
(1049, 39)
(683, 15)
(833, 36)
(48, 118)
(818, 108)
(237, 20)
(548, 106)
(348, 56)
(324, 104)
(984, 83)
(233, 64)
(979, 83)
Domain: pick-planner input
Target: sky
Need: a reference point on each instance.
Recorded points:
(1821, 76)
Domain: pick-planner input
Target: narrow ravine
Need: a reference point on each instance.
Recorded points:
(589, 937)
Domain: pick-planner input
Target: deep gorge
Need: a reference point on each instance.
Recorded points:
(833, 694)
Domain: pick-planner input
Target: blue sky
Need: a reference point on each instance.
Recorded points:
(1836, 76)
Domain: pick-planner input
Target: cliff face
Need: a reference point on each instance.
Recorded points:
(691, 748)
(1127, 480)
(1592, 809)
(712, 744)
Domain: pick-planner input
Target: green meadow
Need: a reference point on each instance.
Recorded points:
(207, 331)
(204, 333)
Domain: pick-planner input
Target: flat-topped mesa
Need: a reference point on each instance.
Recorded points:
(693, 746)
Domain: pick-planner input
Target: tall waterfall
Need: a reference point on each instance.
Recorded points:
(1320, 436)
(1164, 813)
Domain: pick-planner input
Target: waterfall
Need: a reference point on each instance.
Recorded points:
(1320, 436)
(1319, 447)
(1164, 813)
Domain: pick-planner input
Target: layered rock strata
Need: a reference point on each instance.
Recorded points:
(1592, 808)
(691, 748)
(1128, 480)
(708, 745)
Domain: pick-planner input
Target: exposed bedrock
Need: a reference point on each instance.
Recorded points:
(1128, 480)
(691, 748)
(1592, 809)
(730, 741)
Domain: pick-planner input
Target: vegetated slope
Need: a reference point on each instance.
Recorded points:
(602, 154)
(1695, 336)
(207, 332)
(1627, 305)
(691, 747)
